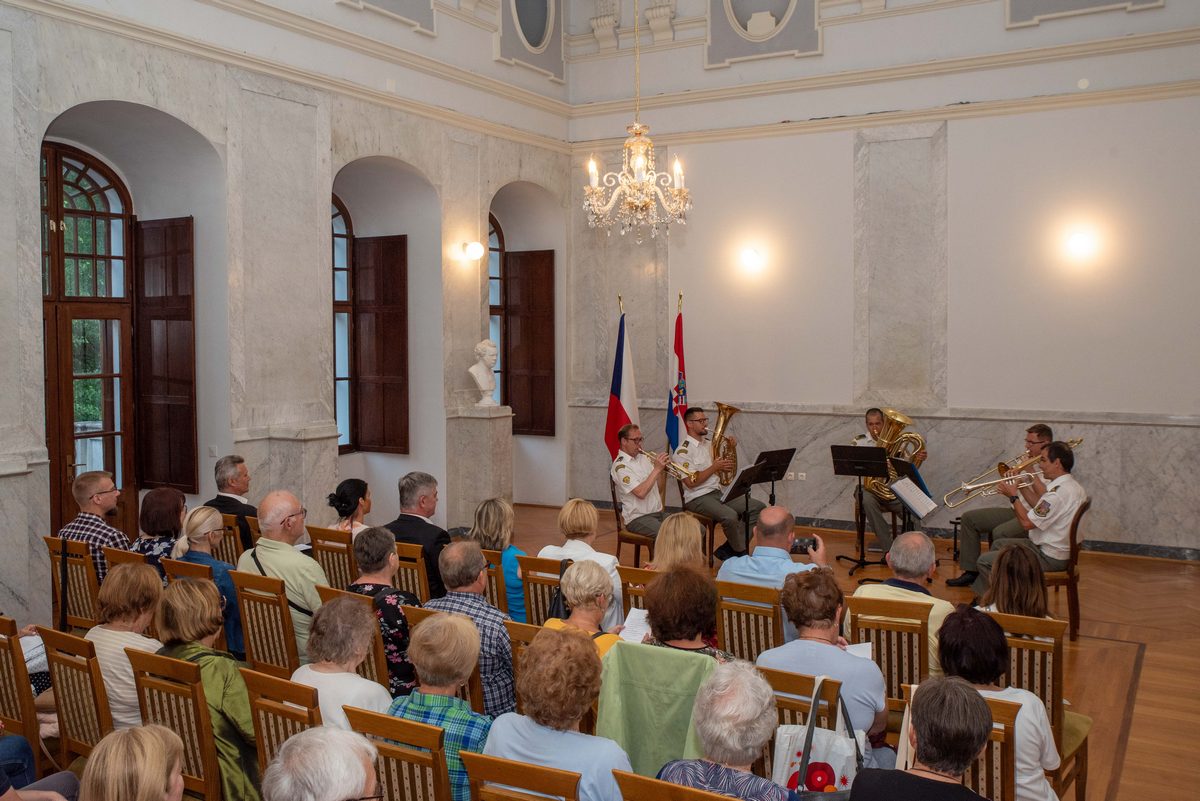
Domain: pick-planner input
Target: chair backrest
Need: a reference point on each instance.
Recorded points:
(616, 505)
(899, 635)
(120, 556)
(497, 595)
(230, 547)
(540, 578)
(472, 691)
(643, 788)
(486, 772)
(170, 693)
(749, 620)
(634, 581)
(521, 634)
(80, 697)
(255, 530)
(267, 624)
(412, 759)
(1035, 662)
(1075, 521)
(374, 667)
(793, 705)
(177, 569)
(17, 713)
(412, 575)
(334, 552)
(83, 585)
(280, 709)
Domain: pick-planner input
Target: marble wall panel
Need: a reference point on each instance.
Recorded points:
(24, 520)
(479, 442)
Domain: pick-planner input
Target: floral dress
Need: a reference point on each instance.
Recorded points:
(155, 549)
(389, 603)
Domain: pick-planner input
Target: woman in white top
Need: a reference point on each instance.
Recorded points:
(343, 632)
(578, 521)
(972, 646)
(128, 600)
(352, 501)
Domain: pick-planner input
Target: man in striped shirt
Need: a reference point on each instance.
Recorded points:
(97, 496)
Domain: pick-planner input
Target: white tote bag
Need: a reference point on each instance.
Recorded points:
(816, 762)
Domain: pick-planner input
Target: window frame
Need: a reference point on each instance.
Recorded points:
(344, 307)
(500, 309)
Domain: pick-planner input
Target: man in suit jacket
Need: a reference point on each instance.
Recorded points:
(233, 482)
(418, 503)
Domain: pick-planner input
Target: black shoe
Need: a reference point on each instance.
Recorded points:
(725, 552)
(965, 580)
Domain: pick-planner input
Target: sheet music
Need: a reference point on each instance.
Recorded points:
(920, 503)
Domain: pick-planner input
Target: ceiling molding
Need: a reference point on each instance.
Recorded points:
(863, 16)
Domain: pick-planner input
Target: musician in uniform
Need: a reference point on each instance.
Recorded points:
(639, 481)
(872, 506)
(1046, 528)
(703, 494)
(999, 523)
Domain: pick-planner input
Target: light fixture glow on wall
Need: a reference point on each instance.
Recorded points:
(472, 250)
(753, 260)
(1081, 243)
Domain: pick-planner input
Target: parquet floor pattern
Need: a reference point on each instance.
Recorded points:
(1135, 669)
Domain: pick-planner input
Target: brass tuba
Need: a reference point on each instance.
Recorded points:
(899, 446)
(722, 448)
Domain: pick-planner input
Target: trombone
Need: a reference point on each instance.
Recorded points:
(675, 470)
(1020, 481)
(977, 487)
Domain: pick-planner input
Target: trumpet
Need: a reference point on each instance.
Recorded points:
(675, 470)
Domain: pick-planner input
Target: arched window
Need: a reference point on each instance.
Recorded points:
(496, 302)
(343, 322)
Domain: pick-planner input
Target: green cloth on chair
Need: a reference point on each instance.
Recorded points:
(1075, 730)
(646, 699)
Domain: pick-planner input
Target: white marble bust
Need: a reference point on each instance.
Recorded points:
(482, 373)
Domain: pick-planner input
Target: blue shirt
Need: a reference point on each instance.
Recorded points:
(233, 616)
(520, 738)
(766, 567)
(514, 588)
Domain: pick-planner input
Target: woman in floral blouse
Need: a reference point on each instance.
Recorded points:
(375, 552)
(161, 520)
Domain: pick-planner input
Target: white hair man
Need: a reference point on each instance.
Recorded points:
(321, 764)
(233, 482)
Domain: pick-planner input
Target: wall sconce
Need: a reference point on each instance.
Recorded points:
(1081, 244)
(473, 251)
(753, 260)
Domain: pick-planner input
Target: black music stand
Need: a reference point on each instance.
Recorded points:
(741, 486)
(777, 463)
(861, 462)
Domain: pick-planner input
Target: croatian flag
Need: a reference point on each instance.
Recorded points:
(677, 397)
(622, 396)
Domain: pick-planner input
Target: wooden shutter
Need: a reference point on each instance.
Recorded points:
(381, 343)
(529, 340)
(165, 367)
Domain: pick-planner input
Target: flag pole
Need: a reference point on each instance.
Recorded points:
(679, 308)
(621, 304)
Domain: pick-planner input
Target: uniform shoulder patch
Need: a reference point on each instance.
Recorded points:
(1054, 489)
(621, 467)
(625, 479)
(1042, 509)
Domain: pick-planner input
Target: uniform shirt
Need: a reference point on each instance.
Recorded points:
(627, 473)
(696, 456)
(495, 647)
(1052, 516)
(98, 535)
(864, 441)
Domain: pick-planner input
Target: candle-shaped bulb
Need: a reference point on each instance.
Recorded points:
(593, 173)
(678, 174)
(639, 167)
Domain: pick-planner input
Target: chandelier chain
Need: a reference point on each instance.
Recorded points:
(637, 63)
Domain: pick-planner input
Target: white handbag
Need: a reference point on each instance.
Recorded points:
(816, 762)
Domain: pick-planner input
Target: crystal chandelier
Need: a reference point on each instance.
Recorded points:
(638, 197)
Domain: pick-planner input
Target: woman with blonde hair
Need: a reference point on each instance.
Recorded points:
(203, 530)
(142, 763)
(189, 620)
(128, 599)
(586, 589)
(680, 541)
(578, 521)
(493, 531)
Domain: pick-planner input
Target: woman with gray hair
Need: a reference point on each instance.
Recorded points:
(734, 715)
(343, 632)
(587, 590)
(322, 764)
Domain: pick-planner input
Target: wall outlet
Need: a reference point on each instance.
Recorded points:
(801, 476)
(790, 477)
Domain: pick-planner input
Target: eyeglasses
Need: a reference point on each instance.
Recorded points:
(1032, 442)
(635, 439)
(302, 513)
(105, 492)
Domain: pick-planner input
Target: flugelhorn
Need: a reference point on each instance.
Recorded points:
(675, 470)
(978, 486)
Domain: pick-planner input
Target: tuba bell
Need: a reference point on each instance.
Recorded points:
(722, 448)
(900, 444)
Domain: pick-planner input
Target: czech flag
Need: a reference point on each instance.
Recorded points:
(677, 398)
(622, 396)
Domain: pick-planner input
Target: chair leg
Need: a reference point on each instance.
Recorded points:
(1073, 606)
(637, 554)
(1081, 769)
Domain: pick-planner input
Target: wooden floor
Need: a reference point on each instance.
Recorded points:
(1135, 669)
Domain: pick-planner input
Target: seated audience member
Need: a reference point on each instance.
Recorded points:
(281, 523)
(342, 635)
(681, 605)
(1018, 585)
(586, 588)
(233, 482)
(142, 763)
(203, 530)
(912, 560)
(96, 495)
(680, 542)
(951, 724)
(128, 600)
(189, 620)
(559, 682)
(578, 521)
(418, 504)
(493, 531)
(375, 553)
(17, 774)
(464, 571)
(352, 501)
(814, 604)
(974, 648)
(160, 519)
(445, 649)
(323, 763)
(735, 716)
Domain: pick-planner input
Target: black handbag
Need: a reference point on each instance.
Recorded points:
(558, 605)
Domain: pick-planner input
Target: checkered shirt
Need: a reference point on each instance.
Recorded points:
(98, 535)
(495, 648)
(463, 730)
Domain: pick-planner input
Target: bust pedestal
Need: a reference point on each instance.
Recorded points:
(479, 460)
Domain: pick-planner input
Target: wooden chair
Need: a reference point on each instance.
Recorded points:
(334, 552)
(267, 624)
(1070, 577)
(472, 691)
(170, 693)
(643, 788)
(412, 759)
(521, 781)
(120, 556)
(497, 595)
(520, 634)
(793, 705)
(17, 713)
(280, 709)
(375, 666)
(230, 547)
(634, 581)
(627, 537)
(749, 620)
(412, 575)
(708, 524)
(80, 698)
(255, 530)
(83, 584)
(1035, 653)
(540, 578)
(899, 635)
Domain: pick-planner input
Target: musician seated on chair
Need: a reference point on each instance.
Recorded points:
(999, 523)
(639, 481)
(1046, 528)
(873, 506)
(703, 494)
